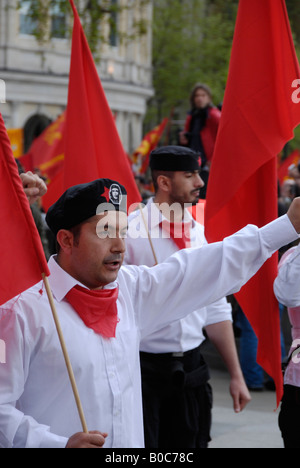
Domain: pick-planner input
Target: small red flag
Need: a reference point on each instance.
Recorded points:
(92, 145)
(258, 118)
(22, 257)
(47, 151)
(140, 157)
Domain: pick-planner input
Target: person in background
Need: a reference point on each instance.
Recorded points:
(201, 128)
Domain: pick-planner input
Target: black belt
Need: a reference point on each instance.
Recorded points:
(175, 355)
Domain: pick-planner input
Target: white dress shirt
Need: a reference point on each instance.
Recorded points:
(37, 407)
(187, 333)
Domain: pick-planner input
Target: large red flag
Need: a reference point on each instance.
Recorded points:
(93, 147)
(21, 252)
(258, 118)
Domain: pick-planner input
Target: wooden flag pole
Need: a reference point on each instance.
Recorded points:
(65, 353)
(148, 233)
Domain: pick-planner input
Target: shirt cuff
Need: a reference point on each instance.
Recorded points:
(278, 233)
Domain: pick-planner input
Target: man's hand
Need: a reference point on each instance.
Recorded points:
(294, 213)
(240, 394)
(34, 186)
(93, 439)
(183, 139)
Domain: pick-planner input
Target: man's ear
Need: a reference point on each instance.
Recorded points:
(65, 239)
(164, 183)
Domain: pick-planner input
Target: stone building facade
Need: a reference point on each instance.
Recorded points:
(36, 76)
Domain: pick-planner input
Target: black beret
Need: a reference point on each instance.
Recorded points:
(84, 201)
(175, 158)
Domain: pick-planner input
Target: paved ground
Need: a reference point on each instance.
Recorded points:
(255, 427)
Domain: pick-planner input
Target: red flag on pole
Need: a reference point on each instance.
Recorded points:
(258, 118)
(93, 148)
(140, 157)
(22, 257)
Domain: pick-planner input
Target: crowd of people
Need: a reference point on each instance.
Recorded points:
(135, 308)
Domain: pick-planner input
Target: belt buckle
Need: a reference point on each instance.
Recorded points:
(177, 355)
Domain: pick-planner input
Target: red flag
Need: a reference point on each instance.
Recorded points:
(258, 118)
(93, 148)
(47, 151)
(150, 141)
(22, 257)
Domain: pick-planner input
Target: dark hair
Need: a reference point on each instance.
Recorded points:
(156, 173)
(76, 231)
(195, 89)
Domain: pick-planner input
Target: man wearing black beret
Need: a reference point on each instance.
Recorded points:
(105, 311)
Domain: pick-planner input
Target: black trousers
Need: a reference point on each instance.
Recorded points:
(177, 400)
(289, 417)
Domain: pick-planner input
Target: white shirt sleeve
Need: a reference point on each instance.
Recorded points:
(167, 291)
(18, 430)
(218, 311)
(287, 283)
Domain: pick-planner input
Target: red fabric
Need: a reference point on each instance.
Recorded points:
(97, 309)
(209, 132)
(149, 143)
(258, 118)
(22, 257)
(47, 151)
(92, 145)
(197, 211)
(180, 233)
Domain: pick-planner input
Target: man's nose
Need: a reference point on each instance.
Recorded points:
(118, 244)
(199, 181)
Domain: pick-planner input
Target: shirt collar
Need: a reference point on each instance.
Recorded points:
(61, 282)
(157, 216)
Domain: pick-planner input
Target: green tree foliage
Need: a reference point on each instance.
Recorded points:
(192, 42)
(93, 14)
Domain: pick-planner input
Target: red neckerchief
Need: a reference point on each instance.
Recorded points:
(97, 308)
(179, 232)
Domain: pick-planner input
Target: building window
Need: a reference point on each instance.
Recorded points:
(27, 24)
(114, 20)
(58, 21)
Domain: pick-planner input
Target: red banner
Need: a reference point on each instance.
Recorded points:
(22, 257)
(258, 118)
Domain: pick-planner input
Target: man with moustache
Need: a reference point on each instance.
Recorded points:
(105, 311)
